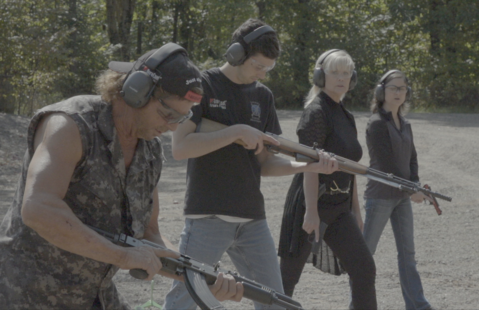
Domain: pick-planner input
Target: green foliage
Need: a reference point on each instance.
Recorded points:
(51, 50)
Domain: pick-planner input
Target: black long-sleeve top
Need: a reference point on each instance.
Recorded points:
(333, 128)
(391, 150)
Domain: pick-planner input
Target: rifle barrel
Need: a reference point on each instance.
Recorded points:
(304, 153)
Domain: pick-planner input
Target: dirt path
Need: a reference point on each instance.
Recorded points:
(446, 246)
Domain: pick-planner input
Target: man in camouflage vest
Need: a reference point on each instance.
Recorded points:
(96, 160)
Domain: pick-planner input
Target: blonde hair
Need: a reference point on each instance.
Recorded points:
(109, 84)
(335, 61)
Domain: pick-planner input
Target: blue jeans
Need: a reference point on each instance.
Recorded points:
(378, 212)
(249, 245)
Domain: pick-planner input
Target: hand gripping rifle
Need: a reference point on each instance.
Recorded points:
(303, 153)
(199, 275)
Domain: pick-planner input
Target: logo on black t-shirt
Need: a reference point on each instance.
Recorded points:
(216, 103)
(255, 112)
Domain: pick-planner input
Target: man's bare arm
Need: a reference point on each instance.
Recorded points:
(254, 139)
(152, 231)
(190, 144)
(58, 149)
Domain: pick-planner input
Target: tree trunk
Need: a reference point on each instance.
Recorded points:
(434, 24)
(185, 26)
(175, 24)
(139, 38)
(261, 5)
(119, 16)
(302, 40)
(72, 24)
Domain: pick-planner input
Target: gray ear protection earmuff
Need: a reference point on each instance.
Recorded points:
(140, 84)
(319, 78)
(236, 53)
(379, 92)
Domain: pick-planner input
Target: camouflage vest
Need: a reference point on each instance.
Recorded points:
(35, 274)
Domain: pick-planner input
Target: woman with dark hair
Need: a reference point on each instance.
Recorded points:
(326, 124)
(391, 149)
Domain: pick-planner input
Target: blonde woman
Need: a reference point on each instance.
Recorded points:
(327, 124)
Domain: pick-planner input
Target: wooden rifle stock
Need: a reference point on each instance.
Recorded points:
(300, 152)
(303, 153)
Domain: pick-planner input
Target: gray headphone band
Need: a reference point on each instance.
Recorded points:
(257, 33)
(155, 59)
(162, 53)
(385, 76)
(326, 56)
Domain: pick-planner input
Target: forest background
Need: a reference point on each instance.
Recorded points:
(54, 49)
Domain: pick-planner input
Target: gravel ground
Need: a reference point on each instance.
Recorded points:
(446, 246)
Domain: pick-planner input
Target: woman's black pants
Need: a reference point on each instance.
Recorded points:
(346, 241)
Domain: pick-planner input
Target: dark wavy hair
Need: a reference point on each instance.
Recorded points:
(268, 44)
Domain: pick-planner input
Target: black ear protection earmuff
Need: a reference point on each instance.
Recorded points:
(141, 81)
(236, 53)
(319, 78)
(379, 92)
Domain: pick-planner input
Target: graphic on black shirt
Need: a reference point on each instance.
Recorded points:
(256, 112)
(216, 103)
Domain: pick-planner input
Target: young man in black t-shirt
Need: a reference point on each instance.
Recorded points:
(224, 207)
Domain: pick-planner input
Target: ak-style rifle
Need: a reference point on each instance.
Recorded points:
(199, 275)
(303, 153)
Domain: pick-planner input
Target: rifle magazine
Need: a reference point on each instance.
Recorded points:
(200, 292)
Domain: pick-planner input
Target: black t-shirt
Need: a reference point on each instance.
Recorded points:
(227, 181)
